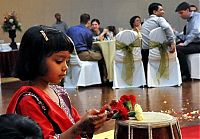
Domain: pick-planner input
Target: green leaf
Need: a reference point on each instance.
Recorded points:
(131, 114)
(128, 105)
(116, 116)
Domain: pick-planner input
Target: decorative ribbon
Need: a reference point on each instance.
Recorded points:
(163, 70)
(128, 60)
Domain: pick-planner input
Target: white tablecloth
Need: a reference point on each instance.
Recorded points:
(108, 51)
(5, 47)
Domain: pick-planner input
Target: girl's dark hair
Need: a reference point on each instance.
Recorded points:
(37, 43)
(13, 126)
(112, 29)
(95, 20)
(152, 7)
(132, 20)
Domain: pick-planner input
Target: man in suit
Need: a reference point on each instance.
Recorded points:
(190, 40)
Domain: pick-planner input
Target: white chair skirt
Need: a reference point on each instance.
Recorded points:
(153, 65)
(82, 73)
(138, 74)
(194, 65)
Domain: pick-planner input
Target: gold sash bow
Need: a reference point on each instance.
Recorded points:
(163, 70)
(128, 60)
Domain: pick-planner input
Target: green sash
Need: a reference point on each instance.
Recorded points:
(128, 60)
(163, 70)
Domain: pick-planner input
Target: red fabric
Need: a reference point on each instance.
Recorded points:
(191, 132)
(29, 107)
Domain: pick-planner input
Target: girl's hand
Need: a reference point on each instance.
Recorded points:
(91, 122)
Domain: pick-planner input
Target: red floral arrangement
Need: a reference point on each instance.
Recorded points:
(123, 108)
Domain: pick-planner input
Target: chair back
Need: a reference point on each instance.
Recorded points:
(79, 72)
(157, 35)
(74, 59)
(127, 37)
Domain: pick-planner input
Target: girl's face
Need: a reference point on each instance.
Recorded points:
(95, 26)
(57, 66)
(137, 22)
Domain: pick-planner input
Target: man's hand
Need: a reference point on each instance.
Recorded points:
(172, 48)
(181, 44)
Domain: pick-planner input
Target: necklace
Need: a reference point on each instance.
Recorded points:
(58, 103)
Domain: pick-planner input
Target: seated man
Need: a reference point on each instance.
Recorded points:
(13, 126)
(82, 37)
(190, 40)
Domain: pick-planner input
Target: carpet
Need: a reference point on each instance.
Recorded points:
(191, 132)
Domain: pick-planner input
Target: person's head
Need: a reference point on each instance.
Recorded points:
(156, 9)
(43, 53)
(193, 8)
(183, 10)
(85, 19)
(95, 24)
(112, 29)
(13, 126)
(135, 21)
(58, 16)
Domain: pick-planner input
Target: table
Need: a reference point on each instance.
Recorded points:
(108, 51)
(7, 62)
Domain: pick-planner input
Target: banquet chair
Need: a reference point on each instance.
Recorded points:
(81, 73)
(128, 66)
(194, 65)
(163, 70)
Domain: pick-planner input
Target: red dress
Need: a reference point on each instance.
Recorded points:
(64, 115)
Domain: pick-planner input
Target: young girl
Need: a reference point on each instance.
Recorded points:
(43, 56)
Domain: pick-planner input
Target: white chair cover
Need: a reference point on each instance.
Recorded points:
(174, 79)
(127, 37)
(81, 73)
(194, 65)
